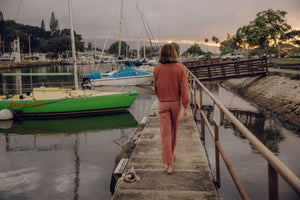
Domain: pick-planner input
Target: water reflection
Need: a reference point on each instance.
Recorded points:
(64, 158)
(77, 168)
(44, 143)
(56, 127)
(68, 125)
(267, 132)
(246, 161)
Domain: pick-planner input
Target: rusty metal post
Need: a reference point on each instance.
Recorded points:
(195, 102)
(266, 65)
(273, 183)
(217, 156)
(191, 97)
(201, 117)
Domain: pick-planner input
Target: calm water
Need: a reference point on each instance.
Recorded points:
(65, 158)
(250, 166)
(73, 158)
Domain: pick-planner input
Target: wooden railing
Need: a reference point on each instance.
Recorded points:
(224, 70)
(275, 166)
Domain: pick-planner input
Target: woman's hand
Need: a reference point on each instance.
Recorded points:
(185, 114)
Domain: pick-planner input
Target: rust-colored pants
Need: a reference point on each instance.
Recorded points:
(169, 113)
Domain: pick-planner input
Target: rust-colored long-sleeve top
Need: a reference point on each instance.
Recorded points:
(170, 83)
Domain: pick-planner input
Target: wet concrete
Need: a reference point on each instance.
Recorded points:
(192, 177)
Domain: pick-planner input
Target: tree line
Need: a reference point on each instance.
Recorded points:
(263, 35)
(54, 40)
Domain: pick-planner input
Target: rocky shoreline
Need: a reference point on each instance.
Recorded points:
(278, 94)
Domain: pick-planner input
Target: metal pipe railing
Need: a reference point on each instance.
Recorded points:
(275, 165)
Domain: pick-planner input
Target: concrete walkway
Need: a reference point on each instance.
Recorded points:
(192, 178)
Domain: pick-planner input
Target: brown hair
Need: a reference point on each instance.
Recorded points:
(168, 54)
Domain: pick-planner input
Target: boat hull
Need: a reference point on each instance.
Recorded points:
(70, 106)
(124, 81)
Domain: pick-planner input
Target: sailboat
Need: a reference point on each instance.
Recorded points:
(52, 102)
(126, 77)
(131, 75)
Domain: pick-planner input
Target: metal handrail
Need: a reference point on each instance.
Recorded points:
(275, 165)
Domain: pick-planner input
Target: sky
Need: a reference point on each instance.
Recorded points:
(182, 21)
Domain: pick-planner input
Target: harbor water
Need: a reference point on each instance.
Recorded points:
(73, 158)
(250, 166)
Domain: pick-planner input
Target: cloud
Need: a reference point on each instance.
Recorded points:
(176, 20)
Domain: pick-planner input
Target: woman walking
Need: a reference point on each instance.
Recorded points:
(171, 88)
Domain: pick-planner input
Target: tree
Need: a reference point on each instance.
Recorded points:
(215, 39)
(269, 27)
(43, 25)
(176, 46)
(54, 27)
(148, 50)
(90, 46)
(65, 31)
(114, 48)
(194, 49)
(228, 45)
(1, 17)
(294, 36)
(206, 41)
(40, 40)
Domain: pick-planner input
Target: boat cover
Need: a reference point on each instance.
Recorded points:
(94, 75)
(128, 72)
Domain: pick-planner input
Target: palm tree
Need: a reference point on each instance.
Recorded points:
(206, 41)
(215, 39)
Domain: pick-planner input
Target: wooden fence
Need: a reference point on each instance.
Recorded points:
(225, 70)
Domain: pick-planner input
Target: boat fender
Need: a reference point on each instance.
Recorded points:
(136, 73)
(6, 114)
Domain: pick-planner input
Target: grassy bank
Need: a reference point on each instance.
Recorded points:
(274, 64)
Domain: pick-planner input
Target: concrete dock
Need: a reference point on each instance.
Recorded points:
(192, 177)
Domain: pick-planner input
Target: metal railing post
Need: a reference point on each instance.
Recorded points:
(191, 86)
(217, 156)
(273, 183)
(195, 105)
(201, 117)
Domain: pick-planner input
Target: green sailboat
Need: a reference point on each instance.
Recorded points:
(50, 102)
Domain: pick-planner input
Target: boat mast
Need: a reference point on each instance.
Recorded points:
(138, 33)
(121, 18)
(73, 45)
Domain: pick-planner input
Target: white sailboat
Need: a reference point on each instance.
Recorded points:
(126, 77)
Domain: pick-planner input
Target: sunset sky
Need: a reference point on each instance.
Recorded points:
(181, 21)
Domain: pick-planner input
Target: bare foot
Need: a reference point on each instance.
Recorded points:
(169, 169)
